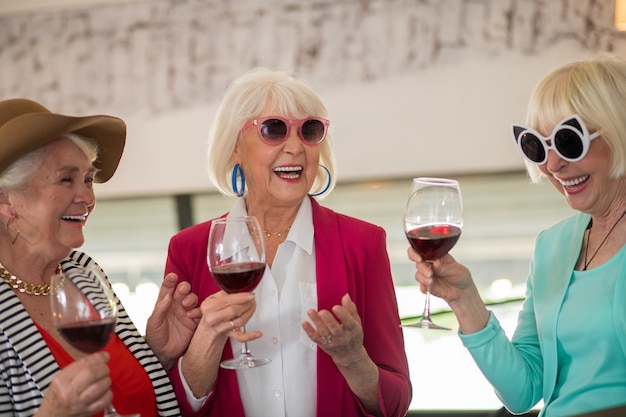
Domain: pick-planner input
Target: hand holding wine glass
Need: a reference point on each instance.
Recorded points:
(85, 317)
(236, 259)
(433, 219)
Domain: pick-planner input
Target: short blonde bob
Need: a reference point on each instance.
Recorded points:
(595, 89)
(245, 99)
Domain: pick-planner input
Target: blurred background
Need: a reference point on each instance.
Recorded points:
(414, 87)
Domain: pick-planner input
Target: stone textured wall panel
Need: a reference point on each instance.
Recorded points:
(162, 55)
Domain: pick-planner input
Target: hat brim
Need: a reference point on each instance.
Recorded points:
(30, 131)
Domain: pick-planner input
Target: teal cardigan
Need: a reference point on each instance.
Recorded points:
(524, 370)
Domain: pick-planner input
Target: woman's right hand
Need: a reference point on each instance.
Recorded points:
(222, 316)
(447, 278)
(80, 389)
(453, 282)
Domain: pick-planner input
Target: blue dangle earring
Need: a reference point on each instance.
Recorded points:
(238, 174)
(327, 183)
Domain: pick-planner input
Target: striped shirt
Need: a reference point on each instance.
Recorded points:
(27, 366)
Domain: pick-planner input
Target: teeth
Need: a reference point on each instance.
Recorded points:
(290, 176)
(289, 172)
(75, 218)
(575, 181)
(288, 169)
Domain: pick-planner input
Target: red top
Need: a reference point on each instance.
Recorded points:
(131, 386)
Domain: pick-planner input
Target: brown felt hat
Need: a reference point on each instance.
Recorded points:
(26, 125)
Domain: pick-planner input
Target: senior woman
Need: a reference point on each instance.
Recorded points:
(569, 347)
(48, 164)
(326, 312)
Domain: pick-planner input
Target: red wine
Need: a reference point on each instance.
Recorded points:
(240, 277)
(434, 241)
(88, 336)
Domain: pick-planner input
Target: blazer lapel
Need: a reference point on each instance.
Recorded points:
(555, 258)
(332, 285)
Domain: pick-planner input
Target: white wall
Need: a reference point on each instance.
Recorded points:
(413, 87)
(438, 121)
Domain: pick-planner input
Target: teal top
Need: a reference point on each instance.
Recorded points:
(588, 373)
(569, 347)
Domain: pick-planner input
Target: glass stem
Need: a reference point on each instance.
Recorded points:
(245, 352)
(110, 411)
(426, 313)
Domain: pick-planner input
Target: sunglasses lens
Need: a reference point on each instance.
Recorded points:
(532, 147)
(313, 131)
(569, 143)
(273, 130)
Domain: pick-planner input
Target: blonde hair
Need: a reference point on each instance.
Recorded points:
(594, 89)
(245, 99)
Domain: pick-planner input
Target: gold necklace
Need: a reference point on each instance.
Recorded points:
(279, 234)
(586, 264)
(25, 287)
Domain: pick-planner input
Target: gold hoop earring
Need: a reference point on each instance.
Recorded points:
(12, 238)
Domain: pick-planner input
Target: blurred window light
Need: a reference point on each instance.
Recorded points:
(620, 15)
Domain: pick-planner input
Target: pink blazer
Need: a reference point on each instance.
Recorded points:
(351, 257)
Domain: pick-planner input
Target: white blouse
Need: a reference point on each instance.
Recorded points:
(286, 387)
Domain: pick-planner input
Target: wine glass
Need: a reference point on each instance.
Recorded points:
(433, 219)
(236, 259)
(85, 317)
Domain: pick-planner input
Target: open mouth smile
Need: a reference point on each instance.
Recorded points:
(79, 219)
(573, 182)
(289, 173)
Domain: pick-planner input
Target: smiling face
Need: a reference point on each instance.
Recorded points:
(53, 207)
(280, 175)
(586, 184)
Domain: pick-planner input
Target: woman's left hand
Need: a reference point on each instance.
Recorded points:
(338, 333)
(173, 321)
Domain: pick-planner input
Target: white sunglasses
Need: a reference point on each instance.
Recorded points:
(570, 139)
